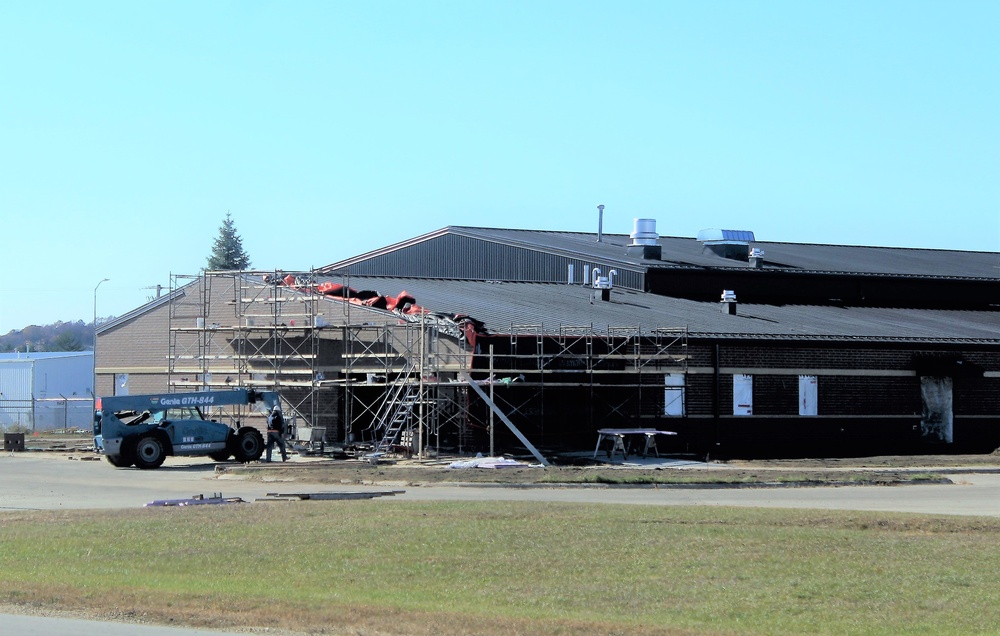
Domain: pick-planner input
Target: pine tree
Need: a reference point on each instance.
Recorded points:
(227, 251)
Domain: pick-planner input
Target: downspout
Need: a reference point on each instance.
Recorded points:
(716, 394)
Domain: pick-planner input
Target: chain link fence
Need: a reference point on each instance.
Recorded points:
(46, 414)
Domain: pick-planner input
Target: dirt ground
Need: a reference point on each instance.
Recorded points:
(402, 472)
(410, 472)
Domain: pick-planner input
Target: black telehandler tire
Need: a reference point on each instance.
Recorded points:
(248, 445)
(150, 451)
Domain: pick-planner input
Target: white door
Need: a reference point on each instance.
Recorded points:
(808, 393)
(742, 394)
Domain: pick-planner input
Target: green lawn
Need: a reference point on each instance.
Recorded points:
(386, 566)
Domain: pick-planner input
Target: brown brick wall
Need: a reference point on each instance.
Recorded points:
(863, 380)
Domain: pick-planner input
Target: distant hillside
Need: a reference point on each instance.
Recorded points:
(59, 336)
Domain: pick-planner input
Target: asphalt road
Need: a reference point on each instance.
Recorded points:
(47, 626)
(43, 481)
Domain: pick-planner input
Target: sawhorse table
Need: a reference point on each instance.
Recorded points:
(617, 437)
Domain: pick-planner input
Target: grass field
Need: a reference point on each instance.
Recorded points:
(389, 567)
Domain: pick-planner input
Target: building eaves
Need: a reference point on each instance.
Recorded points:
(142, 309)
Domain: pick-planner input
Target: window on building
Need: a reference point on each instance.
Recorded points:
(673, 395)
(808, 394)
(742, 394)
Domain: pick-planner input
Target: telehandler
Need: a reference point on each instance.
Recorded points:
(144, 429)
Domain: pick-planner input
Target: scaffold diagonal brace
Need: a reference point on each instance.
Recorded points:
(482, 394)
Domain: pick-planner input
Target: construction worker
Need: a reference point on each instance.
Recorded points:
(276, 433)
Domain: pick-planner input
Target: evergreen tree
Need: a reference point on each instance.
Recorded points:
(227, 251)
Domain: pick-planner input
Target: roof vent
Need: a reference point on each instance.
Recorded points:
(644, 240)
(732, 244)
(604, 283)
(756, 258)
(729, 302)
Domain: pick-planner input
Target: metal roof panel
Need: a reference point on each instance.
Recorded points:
(501, 305)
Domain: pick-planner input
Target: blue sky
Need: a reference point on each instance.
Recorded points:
(129, 129)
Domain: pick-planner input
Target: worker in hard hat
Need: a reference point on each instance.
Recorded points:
(276, 433)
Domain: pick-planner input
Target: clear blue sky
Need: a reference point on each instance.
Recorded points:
(128, 129)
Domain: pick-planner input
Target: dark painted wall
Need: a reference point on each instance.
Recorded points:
(869, 398)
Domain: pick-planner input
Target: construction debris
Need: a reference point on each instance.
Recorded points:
(196, 500)
(329, 496)
(487, 462)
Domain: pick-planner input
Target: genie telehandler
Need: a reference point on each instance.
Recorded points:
(144, 429)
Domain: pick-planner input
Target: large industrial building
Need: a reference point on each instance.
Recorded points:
(472, 339)
(46, 391)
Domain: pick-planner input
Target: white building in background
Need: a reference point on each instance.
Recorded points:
(46, 391)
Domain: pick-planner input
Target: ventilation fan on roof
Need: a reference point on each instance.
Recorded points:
(644, 241)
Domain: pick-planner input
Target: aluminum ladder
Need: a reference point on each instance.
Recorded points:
(397, 416)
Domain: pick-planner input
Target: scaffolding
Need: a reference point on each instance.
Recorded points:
(257, 329)
(408, 384)
(401, 383)
(618, 373)
(390, 382)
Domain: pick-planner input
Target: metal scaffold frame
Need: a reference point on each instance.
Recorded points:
(399, 373)
(620, 369)
(256, 329)
(401, 385)
(637, 350)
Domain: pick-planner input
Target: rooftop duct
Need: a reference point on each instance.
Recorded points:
(756, 258)
(645, 240)
(729, 302)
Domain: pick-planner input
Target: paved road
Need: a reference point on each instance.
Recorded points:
(970, 495)
(47, 626)
(40, 481)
